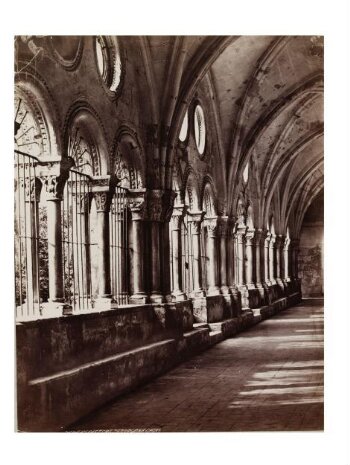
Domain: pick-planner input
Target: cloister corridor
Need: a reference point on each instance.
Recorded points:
(269, 378)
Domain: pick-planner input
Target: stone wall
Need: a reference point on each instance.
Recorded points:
(311, 259)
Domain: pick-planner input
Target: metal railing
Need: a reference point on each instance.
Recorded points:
(76, 241)
(28, 283)
(187, 256)
(119, 247)
(31, 244)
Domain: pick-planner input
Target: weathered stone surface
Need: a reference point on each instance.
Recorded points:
(261, 381)
(111, 352)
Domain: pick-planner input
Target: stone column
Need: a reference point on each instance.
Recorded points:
(196, 218)
(279, 257)
(154, 208)
(286, 263)
(222, 233)
(259, 272)
(212, 268)
(168, 200)
(267, 237)
(176, 219)
(240, 233)
(240, 268)
(249, 236)
(272, 271)
(54, 185)
(137, 209)
(230, 256)
(103, 196)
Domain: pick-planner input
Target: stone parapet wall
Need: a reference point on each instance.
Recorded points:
(62, 378)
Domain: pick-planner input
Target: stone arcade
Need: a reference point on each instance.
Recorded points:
(161, 185)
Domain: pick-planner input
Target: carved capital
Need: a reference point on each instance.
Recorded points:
(175, 222)
(259, 236)
(154, 205)
(249, 236)
(241, 230)
(212, 226)
(196, 218)
(103, 201)
(53, 186)
(136, 202)
(178, 213)
(279, 241)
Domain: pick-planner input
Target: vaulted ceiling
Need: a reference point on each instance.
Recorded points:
(267, 93)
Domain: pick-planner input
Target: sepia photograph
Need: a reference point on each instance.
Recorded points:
(168, 233)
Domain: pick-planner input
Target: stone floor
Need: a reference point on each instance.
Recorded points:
(269, 378)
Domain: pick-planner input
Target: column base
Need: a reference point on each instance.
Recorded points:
(214, 290)
(104, 303)
(281, 286)
(251, 286)
(236, 301)
(286, 285)
(209, 309)
(244, 296)
(178, 296)
(139, 298)
(229, 303)
(225, 290)
(56, 309)
(254, 297)
(197, 294)
(156, 298)
(261, 291)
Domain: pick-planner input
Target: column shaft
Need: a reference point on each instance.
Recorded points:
(104, 280)
(272, 260)
(212, 275)
(249, 258)
(54, 239)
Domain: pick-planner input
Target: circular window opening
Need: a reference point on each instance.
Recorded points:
(199, 129)
(108, 61)
(184, 128)
(246, 173)
(102, 57)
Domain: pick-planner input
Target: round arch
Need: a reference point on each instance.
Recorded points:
(84, 132)
(33, 90)
(128, 159)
